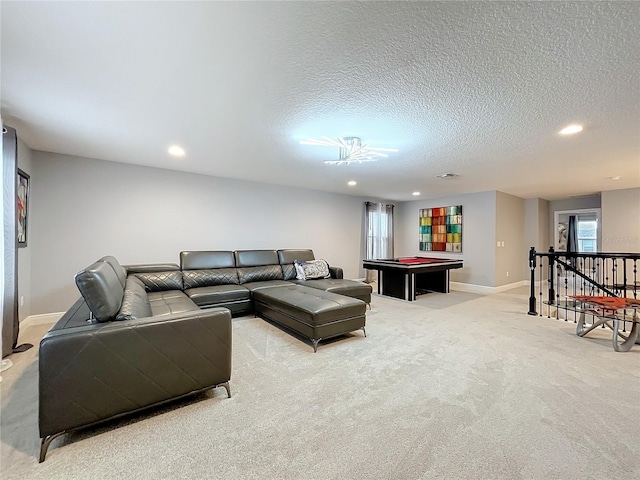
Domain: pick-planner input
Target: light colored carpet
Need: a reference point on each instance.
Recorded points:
(456, 386)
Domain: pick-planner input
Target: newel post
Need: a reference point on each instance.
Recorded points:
(532, 294)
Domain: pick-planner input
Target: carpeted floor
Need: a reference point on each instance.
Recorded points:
(456, 386)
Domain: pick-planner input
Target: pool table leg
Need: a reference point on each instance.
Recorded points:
(409, 287)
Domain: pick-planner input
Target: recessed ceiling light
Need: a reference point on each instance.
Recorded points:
(176, 151)
(352, 183)
(415, 194)
(617, 177)
(571, 129)
(446, 175)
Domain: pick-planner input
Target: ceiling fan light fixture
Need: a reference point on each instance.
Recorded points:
(351, 150)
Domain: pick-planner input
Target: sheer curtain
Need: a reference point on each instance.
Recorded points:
(378, 230)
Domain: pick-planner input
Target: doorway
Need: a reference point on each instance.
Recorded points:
(589, 229)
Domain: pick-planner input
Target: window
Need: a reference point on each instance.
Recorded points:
(378, 232)
(587, 235)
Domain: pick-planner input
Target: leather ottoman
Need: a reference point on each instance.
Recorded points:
(312, 313)
(350, 288)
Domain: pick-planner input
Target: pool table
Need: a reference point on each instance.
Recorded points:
(406, 277)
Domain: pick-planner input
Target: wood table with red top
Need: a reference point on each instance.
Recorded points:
(406, 277)
(610, 311)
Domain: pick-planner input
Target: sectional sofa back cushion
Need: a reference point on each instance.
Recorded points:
(200, 260)
(287, 257)
(205, 269)
(258, 266)
(161, 281)
(101, 290)
(121, 272)
(135, 302)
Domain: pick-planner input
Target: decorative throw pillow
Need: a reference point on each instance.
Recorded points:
(311, 269)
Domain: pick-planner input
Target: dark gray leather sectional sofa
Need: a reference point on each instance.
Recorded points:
(146, 334)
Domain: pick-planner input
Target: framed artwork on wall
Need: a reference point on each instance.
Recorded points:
(441, 229)
(22, 207)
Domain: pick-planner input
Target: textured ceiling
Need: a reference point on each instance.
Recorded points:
(475, 88)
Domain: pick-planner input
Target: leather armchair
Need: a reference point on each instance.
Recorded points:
(99, 371)
(128, 344)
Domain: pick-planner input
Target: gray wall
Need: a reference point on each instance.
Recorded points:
(545, 225)
(83, 209)
(536, 227)
(478, 235)
(512, 254)
(621, 221)
(24, 253)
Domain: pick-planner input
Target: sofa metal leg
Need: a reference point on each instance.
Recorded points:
(365, 332)
(315, 344)
(44, 445)
(227, 387)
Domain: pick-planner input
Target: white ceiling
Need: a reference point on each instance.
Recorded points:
(478, 89)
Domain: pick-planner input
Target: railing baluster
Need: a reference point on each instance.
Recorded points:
(552, 293)
(583, 283)
(635, 279)
(557, 299)
(540, 270)
(566, 288)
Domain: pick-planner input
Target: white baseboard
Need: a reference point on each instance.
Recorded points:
(509, 286)
(41, 319)
(483, 289)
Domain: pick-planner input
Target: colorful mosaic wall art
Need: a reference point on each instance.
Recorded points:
(441, 229)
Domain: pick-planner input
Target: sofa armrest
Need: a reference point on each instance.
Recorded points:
(94, 372)
(336, 272)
